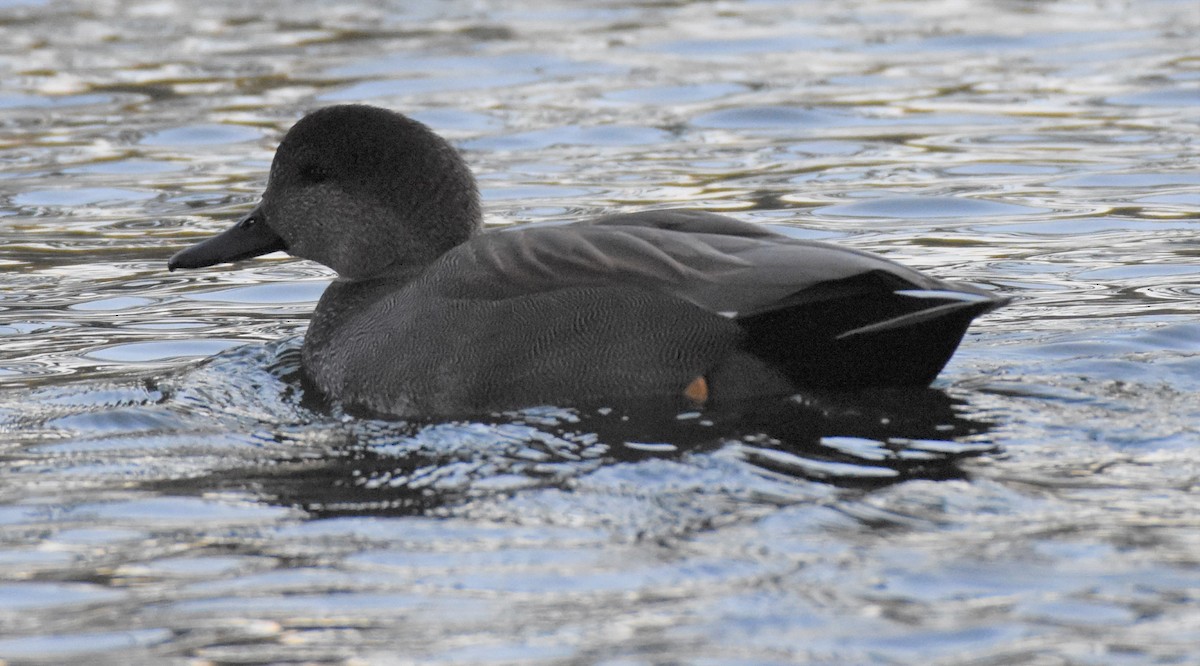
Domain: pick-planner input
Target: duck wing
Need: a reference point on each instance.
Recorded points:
(733, 268)
(819, 314)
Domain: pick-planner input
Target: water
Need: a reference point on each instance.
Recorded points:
(169, 494)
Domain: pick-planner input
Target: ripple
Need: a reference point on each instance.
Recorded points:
(1002, 169)
(571, 135)
(1183, 199)
(1166, 97)
(85, 645)
(1074, 226)
(240, 519)
(145, 352)
(112, 304)
(17, 101)
(773, 117)
(1137, 271)
(782, 460)
(734, 47)
(131, 167)
(675, 94)
(199, 567)
(1128, 180)
(445, 120)
(925, 207)
(275, 293)
(531, 192)
(24, 596)
(83, 196)
(375, 90)
(201, 135)
(529, 62)
(172, 511)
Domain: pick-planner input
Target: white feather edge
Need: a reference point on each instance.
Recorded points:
(960, 300)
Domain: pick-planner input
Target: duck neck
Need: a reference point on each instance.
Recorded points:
(345, 296)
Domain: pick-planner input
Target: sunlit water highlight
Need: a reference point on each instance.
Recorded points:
(170, 492)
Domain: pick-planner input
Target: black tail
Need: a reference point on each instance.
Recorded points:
(867, 337)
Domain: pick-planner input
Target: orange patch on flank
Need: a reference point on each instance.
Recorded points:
(697, 391)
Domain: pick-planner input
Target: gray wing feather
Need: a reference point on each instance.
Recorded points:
(721, 264)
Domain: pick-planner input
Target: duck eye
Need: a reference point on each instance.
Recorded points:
(313, 173)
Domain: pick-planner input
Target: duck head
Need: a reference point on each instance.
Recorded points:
(360, 189)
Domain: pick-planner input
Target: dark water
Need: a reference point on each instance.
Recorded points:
(168, 494)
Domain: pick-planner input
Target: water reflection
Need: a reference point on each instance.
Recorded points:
(376, 467)
(1048, 148)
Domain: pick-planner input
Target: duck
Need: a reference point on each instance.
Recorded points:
(432, 315)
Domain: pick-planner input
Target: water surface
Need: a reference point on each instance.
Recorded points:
(168, 492)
